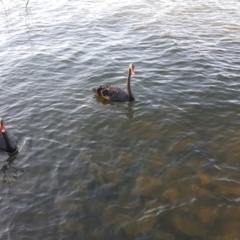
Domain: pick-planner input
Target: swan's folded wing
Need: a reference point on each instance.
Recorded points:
(114, 94)
(98, 91)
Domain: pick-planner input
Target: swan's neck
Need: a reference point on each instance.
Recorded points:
(130, 95)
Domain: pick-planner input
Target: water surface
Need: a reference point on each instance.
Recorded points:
(165, 166)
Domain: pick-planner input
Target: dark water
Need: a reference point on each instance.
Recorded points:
(165, 166)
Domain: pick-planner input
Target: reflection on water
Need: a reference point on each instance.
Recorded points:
(28, 28)
(103, 100)
(128, 107)
(9, 170)
(130, 110)
(165, 166)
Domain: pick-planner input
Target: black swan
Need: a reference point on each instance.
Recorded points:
(116, 94)
(7, 142)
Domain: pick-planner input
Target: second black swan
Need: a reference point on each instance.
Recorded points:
(116, 94)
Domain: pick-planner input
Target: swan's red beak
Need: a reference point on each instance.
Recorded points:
(2, 127)
(132, 70)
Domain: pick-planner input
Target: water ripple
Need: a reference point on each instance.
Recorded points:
(93, 169)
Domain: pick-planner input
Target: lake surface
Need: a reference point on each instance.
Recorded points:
(164, 167)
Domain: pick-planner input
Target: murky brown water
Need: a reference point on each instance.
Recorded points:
(165, 166)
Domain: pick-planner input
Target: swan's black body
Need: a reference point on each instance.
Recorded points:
(116, 94)
(8, 142)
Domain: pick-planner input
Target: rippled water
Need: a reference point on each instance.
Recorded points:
(165, 166)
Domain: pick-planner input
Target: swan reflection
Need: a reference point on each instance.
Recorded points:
(8, 166)
(103, 100)
(129, 111)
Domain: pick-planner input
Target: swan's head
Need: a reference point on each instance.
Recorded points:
(2, 127)
(131, 68)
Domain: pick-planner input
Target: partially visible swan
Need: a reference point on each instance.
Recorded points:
(116, 94)
(7, 142)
